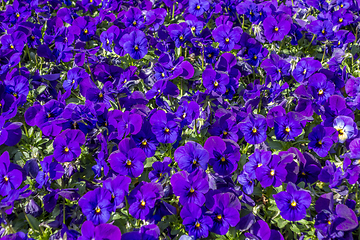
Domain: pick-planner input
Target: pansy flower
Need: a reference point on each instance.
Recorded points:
(102, 231)
(96, 205)
(191, 188)
(346, 128)
(215, 81)
(256, 160)
(135, 44)
(134, 18)
(224, 154)
(293, 203)
(195, 221)
(128, 160)
(191, 156)
(161, 170)
(275, 29)
(226, 36)
(254, 128)
(119, 188)
(320, 88)
(164, 127)
(321, 139)
(198, 7)
(51, 170)
(67, 145)
(272, 173)
(10, 175)
(287, 127)
(305, 68)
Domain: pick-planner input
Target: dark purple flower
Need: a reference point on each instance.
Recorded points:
(191, 156)
(198, 7)
(254, 128)
(331, 174)
(128, 160)
(215, 81)
(96, 205)
(322, 29)
(287, 127)
(272, 173)
(74, 77)
(164, 127)
(305, 68)
(129, 124)
(275, 29)
(102, 231)
(256, 160)
(227, 37)
(224, 212)
(10, 132)
(67, 145)
(276, 67)
(85, 27)
(224, 155)
(195, 222)
(293, 203)
(320, 88)
(142, 200)
(135, 44)
(119, 188)
(134, 18)
(146, 140)
(179, 33)
(10, 175)
(190, 187)
(321, 139)
(51, 170)
(161, 170)
(225, 127)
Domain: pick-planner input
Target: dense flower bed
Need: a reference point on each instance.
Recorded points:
(188, 119)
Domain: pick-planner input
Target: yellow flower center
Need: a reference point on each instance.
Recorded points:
(160, 174)
(321, 92)
(192, 190)
(209, 55)
(341, 5)
(341, 132)
(86, 31)
(194, 161)
(107, 41)
(276, 29)
(255, 57)
(293, 203)
(251, 13)
(49, 115)
(223, 159)
(303, 173)
(97, 210)
(279, 70)
(340, 20)
(329, 222)
(184, 115)
(143, 203)
(254, 130)
(339, 42)
(304, 72)
(32, 37)
(287, 129)
(136, 47)
(134, 23)
(225, 132)
(219, 217)
(260, 13)
(272, 172)
(216, 83)
(112, 196)
(227, 40)
(90, 1)
(193, 28)
(11, 46)
(17, 14)
(128, 162)
(320, 142)
(198, 7)
(259, 164)
(197, 225)
(167, 130)
(323, 31)
(66, 149)
(6, 179)
(181, 37)
(101, 95)
(15, 94)
(163, 74)
(144, 142)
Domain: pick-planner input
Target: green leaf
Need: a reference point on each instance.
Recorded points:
(34, 223)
